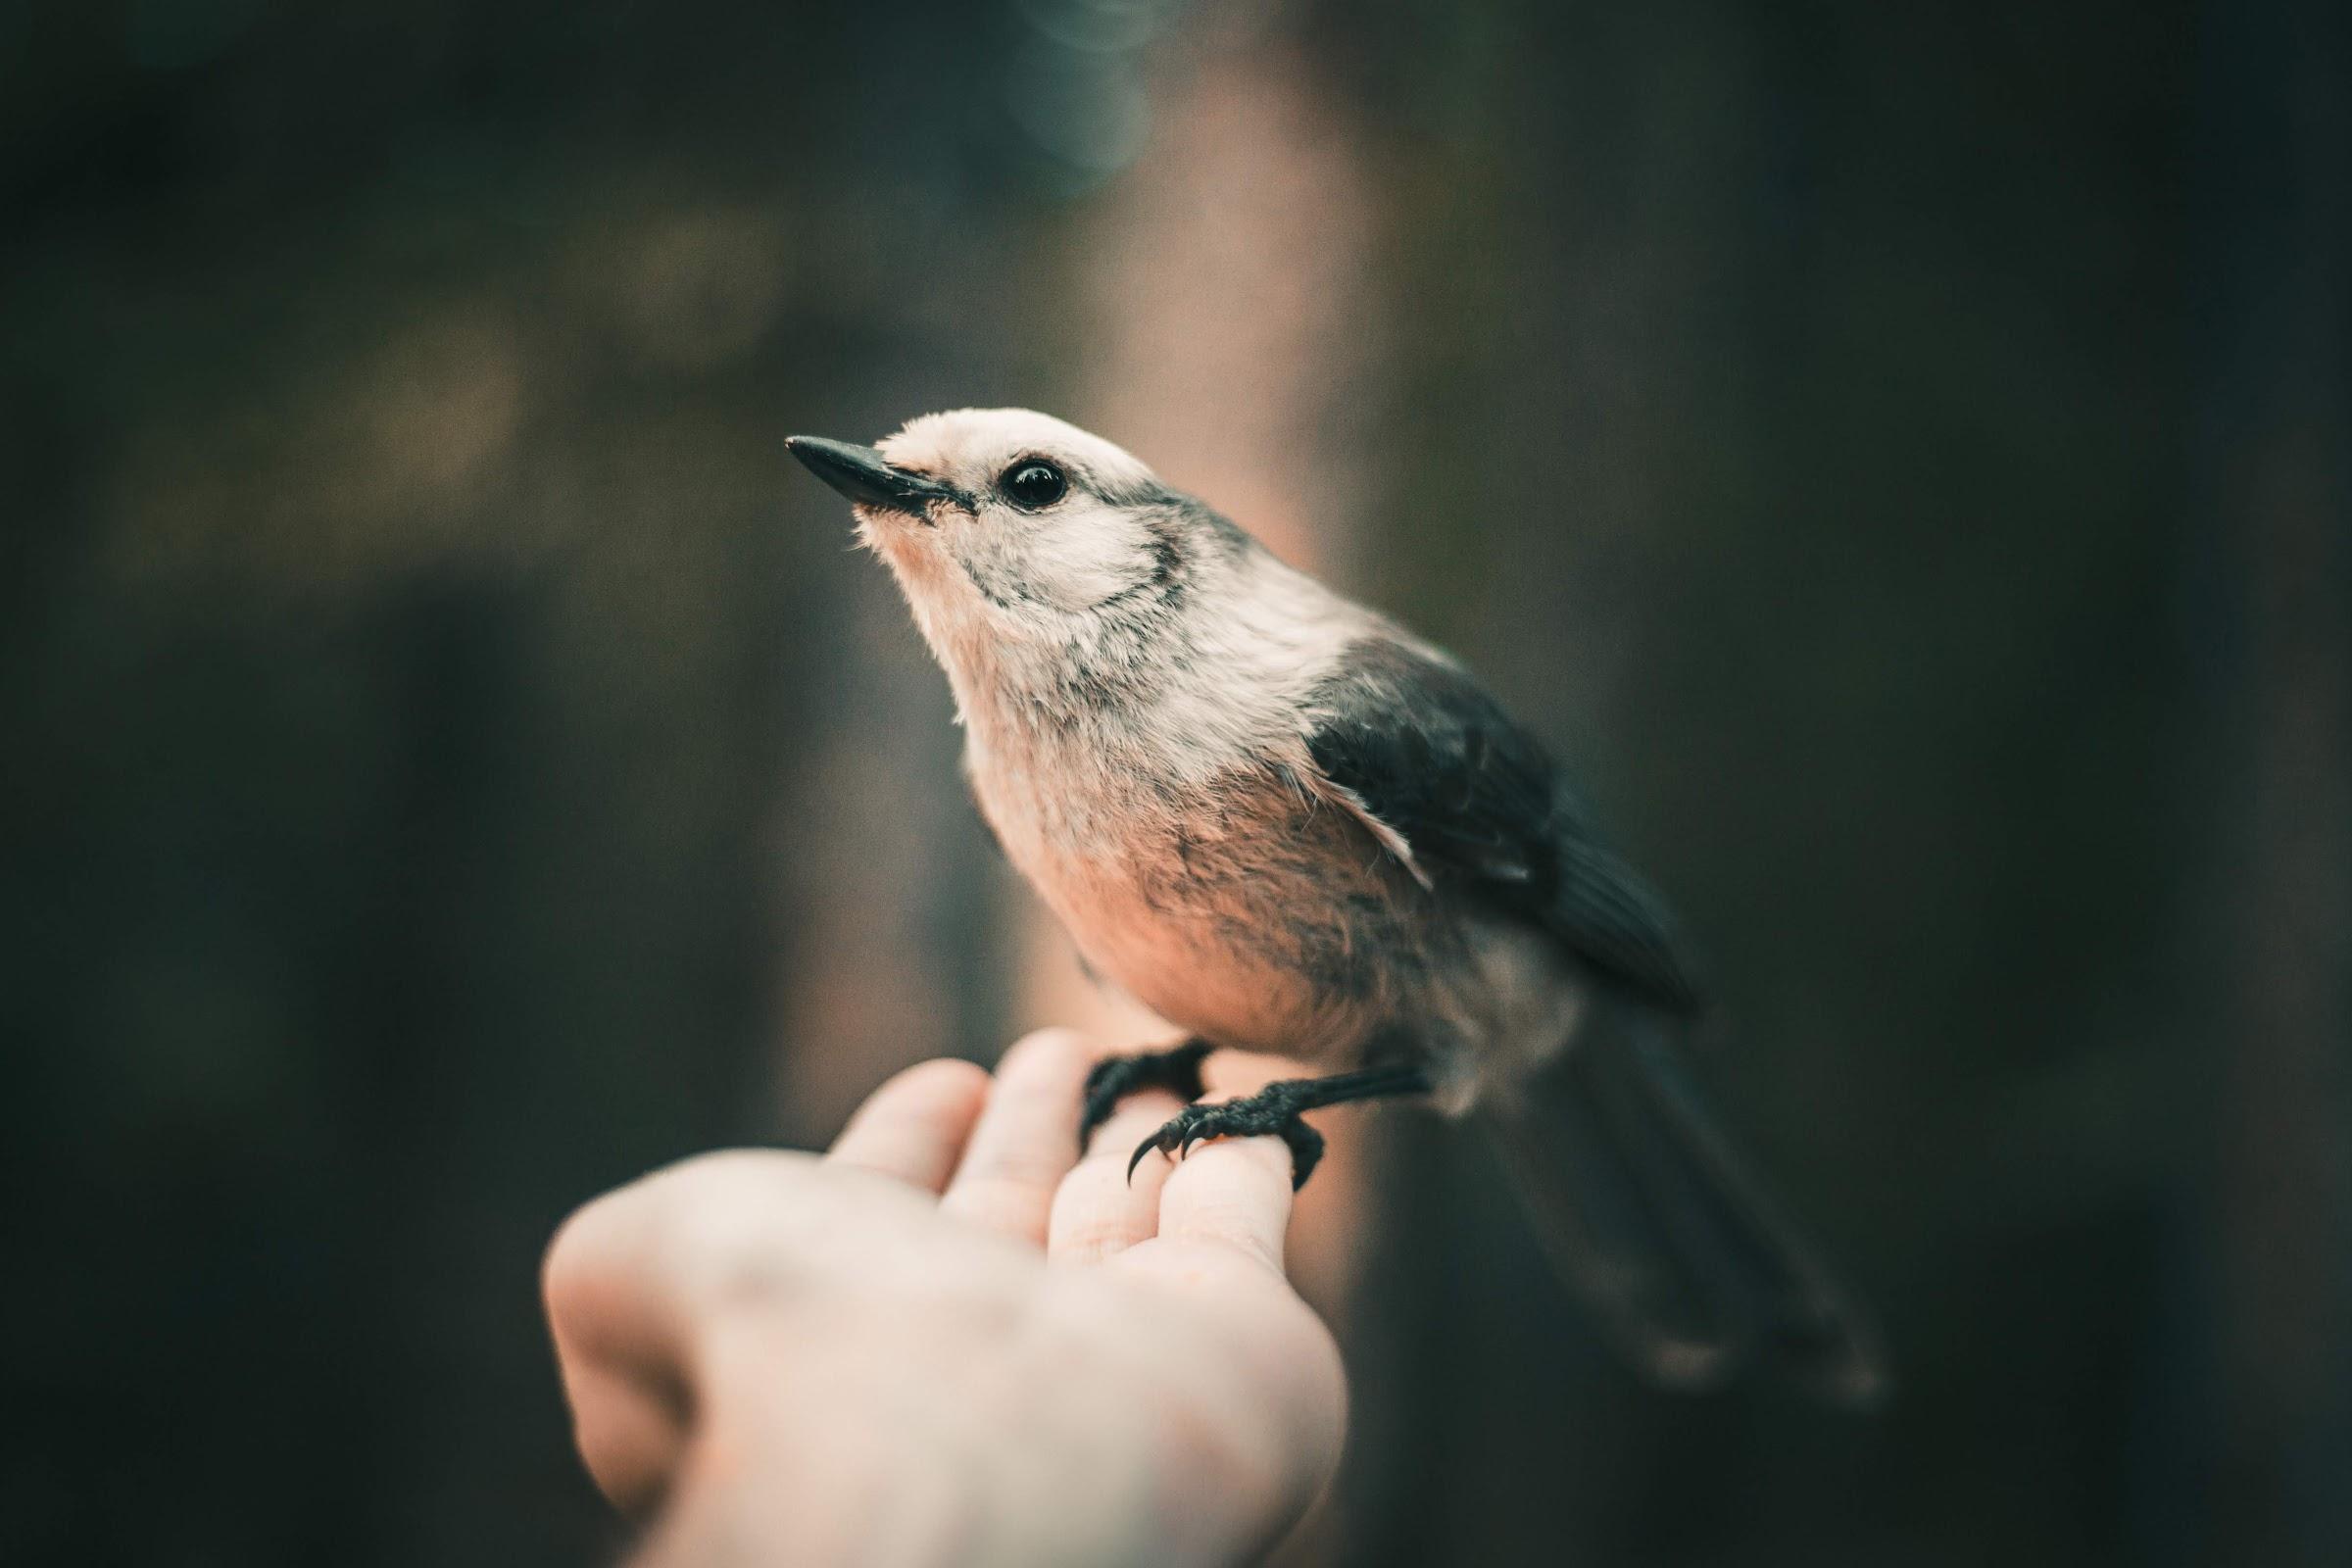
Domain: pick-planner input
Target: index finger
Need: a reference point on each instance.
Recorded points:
(625, 1282)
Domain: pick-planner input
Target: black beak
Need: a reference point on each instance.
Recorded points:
(863, 475)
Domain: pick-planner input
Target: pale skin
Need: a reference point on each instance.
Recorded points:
(951, 1340)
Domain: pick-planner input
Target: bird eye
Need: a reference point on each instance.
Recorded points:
(1033, 483)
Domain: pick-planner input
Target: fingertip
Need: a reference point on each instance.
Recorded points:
(564, 1268)
(943, 1082)
(1051, 1052)
(593, 1255)
(1235, 1192)
(913, 1128)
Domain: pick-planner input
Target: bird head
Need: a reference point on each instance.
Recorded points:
(1006, 518)
(1008, 529)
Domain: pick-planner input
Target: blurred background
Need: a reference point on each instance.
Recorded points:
(453, 762)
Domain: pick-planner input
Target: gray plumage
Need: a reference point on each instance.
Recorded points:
(1288, 826)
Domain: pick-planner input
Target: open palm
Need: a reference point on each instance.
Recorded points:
(950, 1340)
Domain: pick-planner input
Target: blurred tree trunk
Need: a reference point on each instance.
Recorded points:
(2274, 167)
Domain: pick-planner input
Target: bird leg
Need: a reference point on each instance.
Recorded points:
(1275, 1109)
(1176, 1069)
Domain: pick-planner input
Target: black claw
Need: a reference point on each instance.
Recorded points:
(1176, 1069)
(1158, 1140)
(1273, 1109)
(1271, 1112)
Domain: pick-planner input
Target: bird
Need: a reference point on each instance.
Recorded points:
(1286, 824)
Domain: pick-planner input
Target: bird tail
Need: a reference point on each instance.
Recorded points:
(1649, 1213)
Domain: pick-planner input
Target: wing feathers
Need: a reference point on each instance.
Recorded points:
(1448, 782)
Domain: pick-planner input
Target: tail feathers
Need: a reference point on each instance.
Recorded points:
(1651, 1217)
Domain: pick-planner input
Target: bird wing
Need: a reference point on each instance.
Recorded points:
(1469, 802)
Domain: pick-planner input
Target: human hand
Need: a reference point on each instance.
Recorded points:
(944, 1342)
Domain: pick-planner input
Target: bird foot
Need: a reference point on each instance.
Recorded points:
(1176, 1069)
(1273, 1110)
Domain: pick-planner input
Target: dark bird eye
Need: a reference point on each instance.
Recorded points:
(1033, 483)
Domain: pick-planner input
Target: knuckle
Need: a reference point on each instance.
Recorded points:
(570, 1261)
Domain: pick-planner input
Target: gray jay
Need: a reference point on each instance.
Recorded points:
(1288, 826)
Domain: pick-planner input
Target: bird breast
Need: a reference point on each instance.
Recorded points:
(1238, 905)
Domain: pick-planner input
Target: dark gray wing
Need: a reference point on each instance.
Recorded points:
(1434, 758)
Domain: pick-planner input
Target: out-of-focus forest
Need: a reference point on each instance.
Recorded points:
(453, 762)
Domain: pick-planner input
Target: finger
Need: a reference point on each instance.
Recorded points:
(913, 1128)
(1096, 1212)
(1022, 1145)
(616, 1353)
(618, 1289)
(1235, 1192)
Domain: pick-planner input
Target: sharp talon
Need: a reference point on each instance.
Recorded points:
(1141, 1149)
(1115, 1078)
